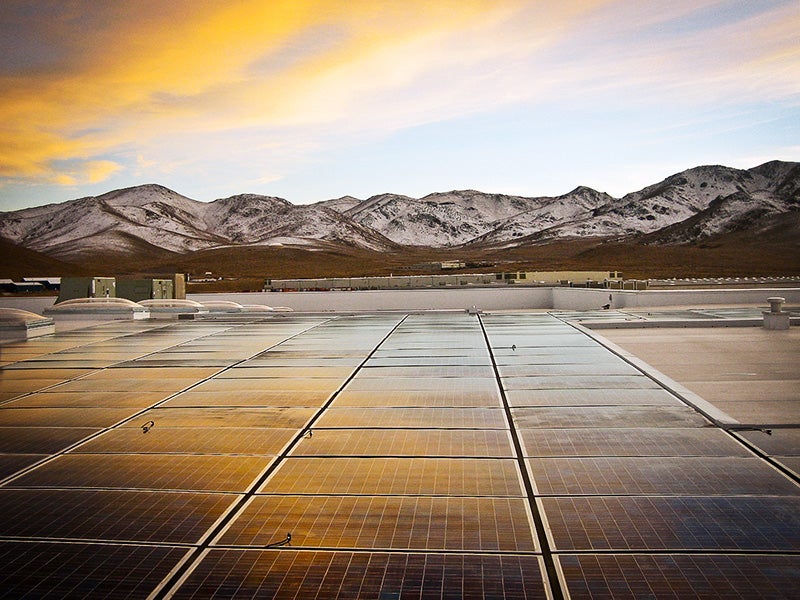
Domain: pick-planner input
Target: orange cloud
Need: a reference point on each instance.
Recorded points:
(138, 76)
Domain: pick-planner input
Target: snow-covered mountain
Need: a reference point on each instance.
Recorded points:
(121, 221)
(684, 208)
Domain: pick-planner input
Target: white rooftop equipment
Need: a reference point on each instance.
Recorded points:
(222, 306)
(16, 324)
(172, 308)
(98, 308)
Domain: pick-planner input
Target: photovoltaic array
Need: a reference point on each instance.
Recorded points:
(426, 455)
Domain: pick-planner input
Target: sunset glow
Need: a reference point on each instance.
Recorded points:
(311, 100)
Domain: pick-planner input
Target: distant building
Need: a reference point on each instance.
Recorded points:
(7, 285)
(50, 283)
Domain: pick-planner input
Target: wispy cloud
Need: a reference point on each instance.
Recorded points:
(191, 84)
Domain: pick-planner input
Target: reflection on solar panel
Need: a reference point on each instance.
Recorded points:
(397, 476)
(185, 440)
(689, 523)
(720, 577)
(418, 523)
(346, 575)
(148, 471)
(407, 442)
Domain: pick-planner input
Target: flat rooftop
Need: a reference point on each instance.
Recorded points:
(400, 455)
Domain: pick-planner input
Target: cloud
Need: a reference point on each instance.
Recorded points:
(178, 84)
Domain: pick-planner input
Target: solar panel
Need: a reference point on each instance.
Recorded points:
(709, 576)
(396, 476)
(62, 417)
(474, 384)
(617, 367)
(147, 471)
(110, 515)
(566, 382)
(188, 440)
(265, 384)
(397, 522)
(55, 571)
(254, 398)
(406, 442)
(89, 400)
(420, 398)
(607, 416)
(755, 523)
(653, 441)
(485, 418)
(11, 463)
(213, 418)
(349, 575)
(310, 372)
(704, 475)
(592, 397)
(41, 440)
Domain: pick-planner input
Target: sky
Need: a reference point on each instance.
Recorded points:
(313, 100)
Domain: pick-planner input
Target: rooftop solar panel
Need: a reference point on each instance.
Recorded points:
(707, 476)
(253, 398)
(433, 371)
(56, 571)
(754, 523)
(559, 369)
(62, 417)
(591, 397)
(396, 476)
(406, 442)
(11, 463)
(397, 522)
(188, 440)
(213, 418)
(147, 471)
(264, 384)
(245, 371)
(473, 384)
(654, 441)
(356, 575)
(566, 382)
(711, 576)
(420, 398)
(41, 440)
(56, 399)
(124, 385)
(483, 418)
(114, 515)
(608, 416)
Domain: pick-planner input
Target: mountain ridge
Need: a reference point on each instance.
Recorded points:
(684, 208)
